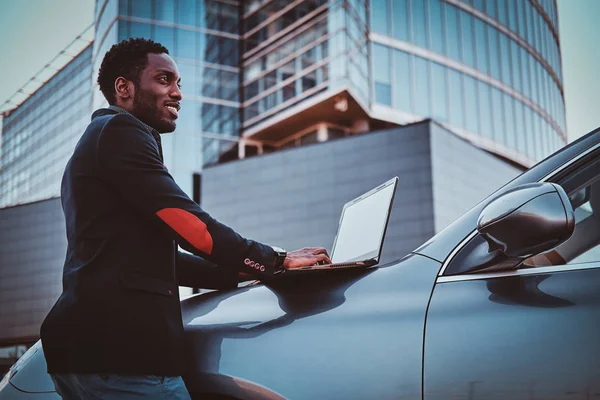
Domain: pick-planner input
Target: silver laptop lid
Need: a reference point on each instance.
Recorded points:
(363, 223)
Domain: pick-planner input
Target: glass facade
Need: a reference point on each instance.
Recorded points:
(488, 69)
(39, 135)
(202, 37)
(293, 51)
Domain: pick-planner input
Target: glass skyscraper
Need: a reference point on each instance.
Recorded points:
(490, 70)
(202, 37)
(263, 75)
(38, 137)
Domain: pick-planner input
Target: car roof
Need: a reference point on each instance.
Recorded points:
(441, 245)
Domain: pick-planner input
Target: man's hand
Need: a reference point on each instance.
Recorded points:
(305, 257)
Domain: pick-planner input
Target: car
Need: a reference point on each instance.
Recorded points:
(502, 304)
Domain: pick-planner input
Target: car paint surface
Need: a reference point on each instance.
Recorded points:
(360, 334)
(519, 337)
(341, 334)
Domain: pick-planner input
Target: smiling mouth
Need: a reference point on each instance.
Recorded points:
(173, 111)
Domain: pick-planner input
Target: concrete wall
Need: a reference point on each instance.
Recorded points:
(462, 175)
(33, 245)
(294, 198)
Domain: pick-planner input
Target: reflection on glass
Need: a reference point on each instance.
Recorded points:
(516, 66)
(419, 23)
(502, 11)
(186, 44)
(512, 17)
(399, 18)
(537, 134)
(490, 8)
(382, 76)
(482, 46)
(164, 35)
(509, 118)
(123, 29)
(141, 8)
(379, 16)
(455, 98)
(485, 109)
(186, 12)
(140, 30)
(498, 115)
(524, 70)
(164, 10)
(471, 104)
(453, 45)
(505, 58)
(520, 10)
(436, 25)
(530, 144)
(468, 46)
(123, 7)
(492, 35)
(403, 79)
(520, 132)
(422, 96)
(438, 79)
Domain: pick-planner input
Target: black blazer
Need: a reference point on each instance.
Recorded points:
(119, 310)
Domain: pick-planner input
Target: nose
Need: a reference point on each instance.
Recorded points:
(176, 93)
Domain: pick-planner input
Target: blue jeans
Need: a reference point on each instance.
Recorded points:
(112, 386)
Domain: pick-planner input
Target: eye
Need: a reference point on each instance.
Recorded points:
(163, 79)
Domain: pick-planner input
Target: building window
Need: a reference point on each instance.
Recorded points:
(399, 17)
(497, 115)
(381, 74)
(402, 81)
(379, 16)
(481, 46)
(422, 96)
(485, 109)
(436, 27)
(141, 8)
(452, 32)
(455, 98)
(471, 104)
(419, 23)
(509, 119)
(468, 44)
(438, 79)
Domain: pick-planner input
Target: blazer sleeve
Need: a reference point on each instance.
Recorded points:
(129, 162)
(196, 272)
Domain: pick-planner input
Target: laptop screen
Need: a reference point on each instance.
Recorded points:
(363, 224)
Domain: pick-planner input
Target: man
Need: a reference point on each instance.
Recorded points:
(116, 330)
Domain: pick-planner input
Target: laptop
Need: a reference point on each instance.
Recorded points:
(359, 238)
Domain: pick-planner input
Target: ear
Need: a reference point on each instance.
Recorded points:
(124, 89)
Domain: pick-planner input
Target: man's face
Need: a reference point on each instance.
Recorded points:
(157, 97)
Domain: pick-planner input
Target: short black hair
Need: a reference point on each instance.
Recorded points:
(127, 59)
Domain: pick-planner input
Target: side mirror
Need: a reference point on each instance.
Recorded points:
(527, 220)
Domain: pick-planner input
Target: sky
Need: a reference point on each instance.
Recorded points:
(33, 32)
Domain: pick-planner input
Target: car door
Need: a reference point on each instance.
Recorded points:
(529, 333)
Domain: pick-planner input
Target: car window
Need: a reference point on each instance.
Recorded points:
(583, 188)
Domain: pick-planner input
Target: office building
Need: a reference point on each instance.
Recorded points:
(38, 137)
(314, 102)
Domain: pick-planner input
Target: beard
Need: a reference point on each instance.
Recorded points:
(146, 110)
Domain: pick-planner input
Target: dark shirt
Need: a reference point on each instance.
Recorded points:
(119, 311)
